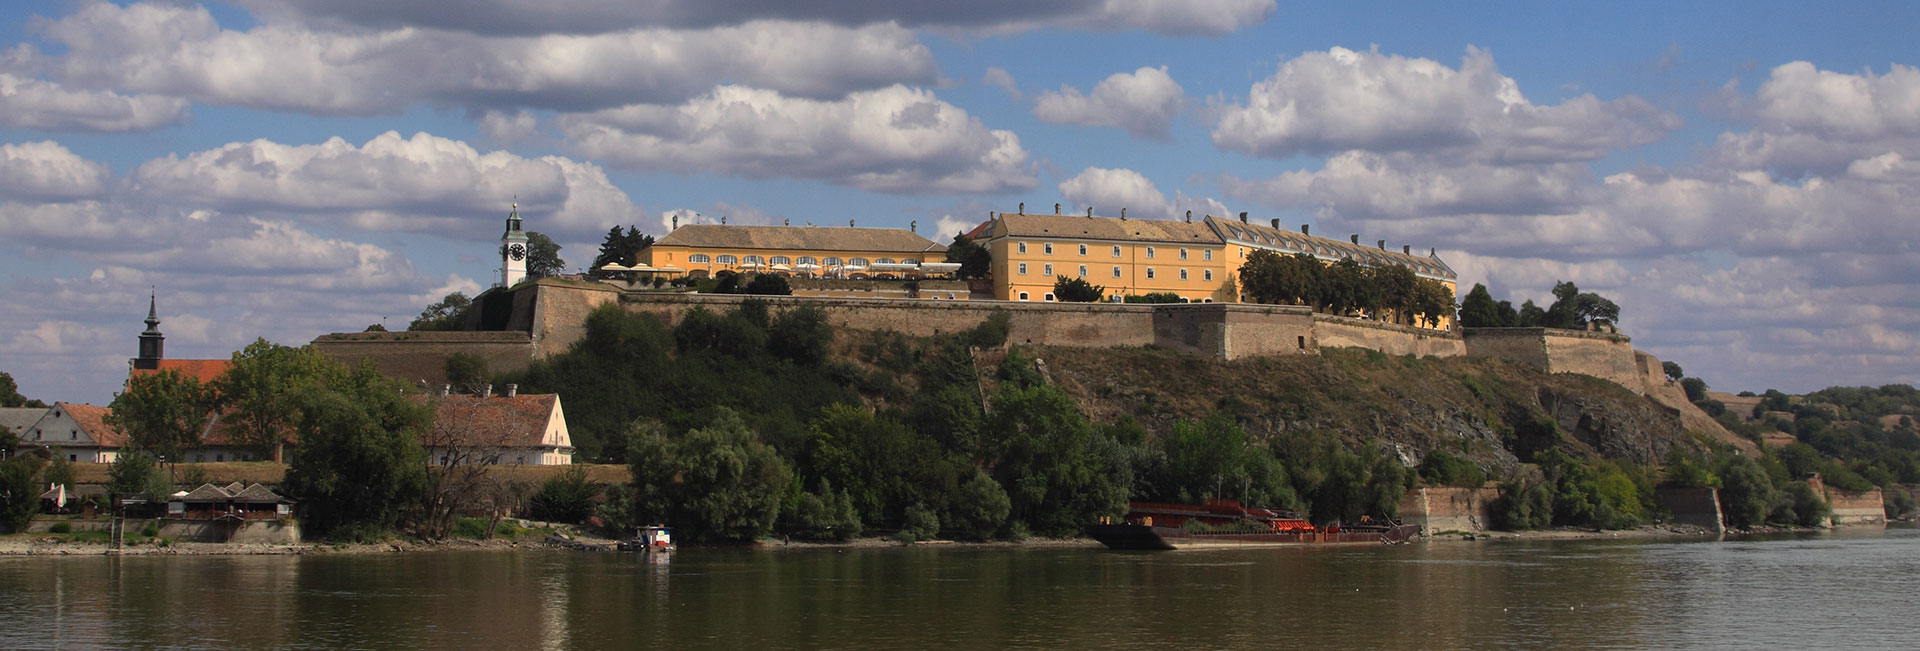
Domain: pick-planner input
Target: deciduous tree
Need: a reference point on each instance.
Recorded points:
(261, 391)
(1077, 290)
(162, 412)
(975, 261)
(719, 482)
(359, 469)
(448, 314)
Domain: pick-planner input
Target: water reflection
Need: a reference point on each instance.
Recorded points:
(1847, 589)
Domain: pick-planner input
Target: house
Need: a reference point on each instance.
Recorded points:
(508, 429)
(19, 420)
(76, 432)
(231, 502)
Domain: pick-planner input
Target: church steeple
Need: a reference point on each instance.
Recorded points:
(152, 343)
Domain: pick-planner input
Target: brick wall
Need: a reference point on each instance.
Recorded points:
(1386, 337)
(422, 356)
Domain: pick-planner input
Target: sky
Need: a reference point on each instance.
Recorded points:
(1743, 179)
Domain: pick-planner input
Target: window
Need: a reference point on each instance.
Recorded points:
(1048, 297)
(727, 259)
(1183, 274)
(1048, 248)
(856, 262)
(755, 260)
(1083, 250)
(884, 261)
(1149, 273)
(1149, 253)
(1116, 272)
(1023, 271)
(1046, 270)
(780, 259)
(807, 259)
(699, 257)
(1206, 274)
(1023, 296)
(1023, 247)
(1083, 271)
(1183, 253)
(1206, 254)
(1116, 250)
(831, 262)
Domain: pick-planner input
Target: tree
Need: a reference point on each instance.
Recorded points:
(359, 469)
(1478, 310)
(1573, 309)
(448, 314)
(1432, 302)
(1696, 388)
(621, 248)
(162, 412)
(261, 391)
(1077, 290)
(1399, 292)
(130, 474)
(19, 492)
(768, 285)
(719, 482)
(543, 256)
(975, 261)
(10, 394)
(1058, 473)
(1673, 371)
(467, 371)
(1531, 316)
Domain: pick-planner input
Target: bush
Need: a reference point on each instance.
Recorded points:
(566, 497)
(980, 510)
(60, 527)
(1522, 505)
(1899, 503)
(768, 285)
(1077, 290)
(150, 530)
(921, 524)
(1443, 469)
(1804, 506)
(1746, 494)
(826, 515)
(1154, 297)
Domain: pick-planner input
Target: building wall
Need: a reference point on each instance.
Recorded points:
(1520, 345)
(682, 257)
(1386, 337)
(1605, 356)
(1206, 267)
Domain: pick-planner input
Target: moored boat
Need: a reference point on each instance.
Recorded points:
(1225, 523)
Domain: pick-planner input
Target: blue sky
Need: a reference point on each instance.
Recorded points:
(1741, 180)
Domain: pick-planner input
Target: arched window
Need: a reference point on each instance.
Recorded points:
(699, 257)
(781, 259)
(831, 261)
(884, 261)
(857, 262)
(754, 259)
(910, 261)
(1023, 296)
(727, 259)
(807, 259)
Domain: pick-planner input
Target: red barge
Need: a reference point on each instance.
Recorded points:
(1225, 523)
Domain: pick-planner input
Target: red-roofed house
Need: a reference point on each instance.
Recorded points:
(201, 370)
(77, 432)
(507, 429)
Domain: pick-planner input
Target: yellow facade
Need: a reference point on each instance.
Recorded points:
(1025, 268)
(707, 262)
(706, 251)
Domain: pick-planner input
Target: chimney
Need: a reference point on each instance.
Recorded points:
(445, 389)
(1382, 245)
(914, 226)
(1023, 207)
(1406, 249)
(1189, 216)
(1276, 223)
(513, 390)
(1303, 230)
(487, 392)
(1056, 207)
(1433, 253)
(1355, 237)
(786, 222)
(1090, 211)
(723, 220)
(849, 223)
(676, 222)
(1243, 218)
(1123, 213)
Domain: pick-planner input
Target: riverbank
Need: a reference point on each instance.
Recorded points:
(45, 545)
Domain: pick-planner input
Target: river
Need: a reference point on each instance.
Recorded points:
(1852, 589)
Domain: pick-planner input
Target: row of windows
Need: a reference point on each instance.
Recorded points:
(1047, 248)
(781, 259)
(1047, 270)
(1048, 297)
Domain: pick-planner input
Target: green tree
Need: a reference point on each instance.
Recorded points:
(801, 334)
(1746, 493)
(19, 492)
(1696, 388)
(130, 474)
(719, 482)
(1478, 310)
(359, 470)
(1530, 316)
(1432, 302)
(768, 285)
(261, 391)
(621, 248)
(467, 371)
(1398, 288)
(162, 412)
(448, 314)
(10, 394)
(980, 508)
(566, 497)
(61, 471)
(1673, 371)
(1060, 475)
(543, 256)
(1077, 290)
(975, 261)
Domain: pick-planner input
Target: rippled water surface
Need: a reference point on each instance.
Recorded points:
(1853, 589)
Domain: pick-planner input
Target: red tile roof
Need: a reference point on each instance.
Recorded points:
(92, 420)
(202, 370)
(499, 421)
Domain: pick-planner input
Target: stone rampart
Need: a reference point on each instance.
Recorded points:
(422, 356)
(1857, 508)
(1603, 355)
(1388, 338)
(1699, 507)
(1448, 508)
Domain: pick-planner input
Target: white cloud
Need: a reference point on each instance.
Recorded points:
(422, 183)
(508, 129)
(27, 103)
(1143, 102)
(997, 76)
(184, 52)
(1812, 121)
(1108, 191)
(897, 140)
(47, 171)
(596, 16)
(1325, 102)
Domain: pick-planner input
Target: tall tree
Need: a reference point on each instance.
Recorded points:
(162, 412)
(975, 260)
(448, 314)
(1478, 310)
(543, 256)
(19, 492)
(261, 391)
(10, 394)
(719, 482)
(1077, 290)
(1399, 292)
(622, 248)
(358, 469)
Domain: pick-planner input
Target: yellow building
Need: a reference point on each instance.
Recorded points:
(1125, 256)
(1242, 238)
(712, 250)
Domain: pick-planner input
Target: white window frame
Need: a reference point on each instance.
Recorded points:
(1047, 248)
(1023, 268)
(1046, 269)
(1023, 296)
(1149, 253)
(1048, 297)
(1183, 274)
(1206, 274)
(1083, 271)
(1116, 271)
(1116, 250)
(1206, 254)
(1083, 250)
(1183, 253)
(1022, 246)
(1149, 273)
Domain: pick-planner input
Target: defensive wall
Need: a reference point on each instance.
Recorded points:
(1448, 508)
(1392, 339)
(422, 356)
(1699, 507)
(1603, 355)
(1857, 507)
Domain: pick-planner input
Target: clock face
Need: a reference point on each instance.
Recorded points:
(517, 251)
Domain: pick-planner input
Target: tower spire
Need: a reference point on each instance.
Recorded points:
(152, 343)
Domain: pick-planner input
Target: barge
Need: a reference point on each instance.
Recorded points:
(1227, 524)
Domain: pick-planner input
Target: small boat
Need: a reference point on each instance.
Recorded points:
(1225, 523)
(655, 539)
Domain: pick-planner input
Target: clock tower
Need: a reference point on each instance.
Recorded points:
(513, 250)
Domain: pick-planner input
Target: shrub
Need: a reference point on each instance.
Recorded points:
(1899, 503)
(1522, 505)
(1805, 506)
(921, 524)
(768, 285)
(150, 530)
(566, 497)
(1443, 469)
(1154, 297)
(60, 527)
(1077, 290)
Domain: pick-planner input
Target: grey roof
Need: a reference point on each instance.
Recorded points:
(1292, 242)
(809, 238)
(207, 493)
(258, 494)
(18, 419)
(1082, 227)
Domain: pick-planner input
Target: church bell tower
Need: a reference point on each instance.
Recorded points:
(152, 343)
(513, 250)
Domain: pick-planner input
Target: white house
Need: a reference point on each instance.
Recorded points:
(77, 432)
(506, 429)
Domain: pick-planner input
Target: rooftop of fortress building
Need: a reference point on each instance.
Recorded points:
(812, 238)
(1285, 240)
(201, 370)
(1102, 228)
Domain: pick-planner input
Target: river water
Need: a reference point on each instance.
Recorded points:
(1851, 589)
